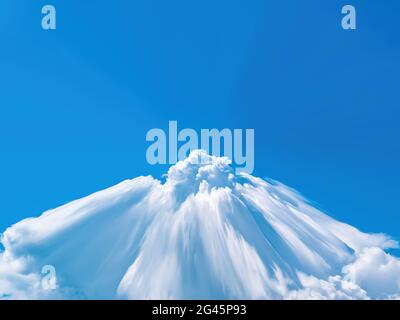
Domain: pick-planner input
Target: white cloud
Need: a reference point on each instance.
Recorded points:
(333, 288)
(375, 271)
(204, 233)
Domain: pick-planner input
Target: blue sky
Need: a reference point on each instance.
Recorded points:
(76, 103)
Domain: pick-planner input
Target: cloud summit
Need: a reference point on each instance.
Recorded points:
(205, 232)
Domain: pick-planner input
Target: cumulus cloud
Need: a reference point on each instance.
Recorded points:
(375, 271)
(203, 233)
(333, 288)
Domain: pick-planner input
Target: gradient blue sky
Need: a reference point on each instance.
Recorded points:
(75, 104)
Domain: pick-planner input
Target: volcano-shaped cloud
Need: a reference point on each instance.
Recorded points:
(205, 232)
